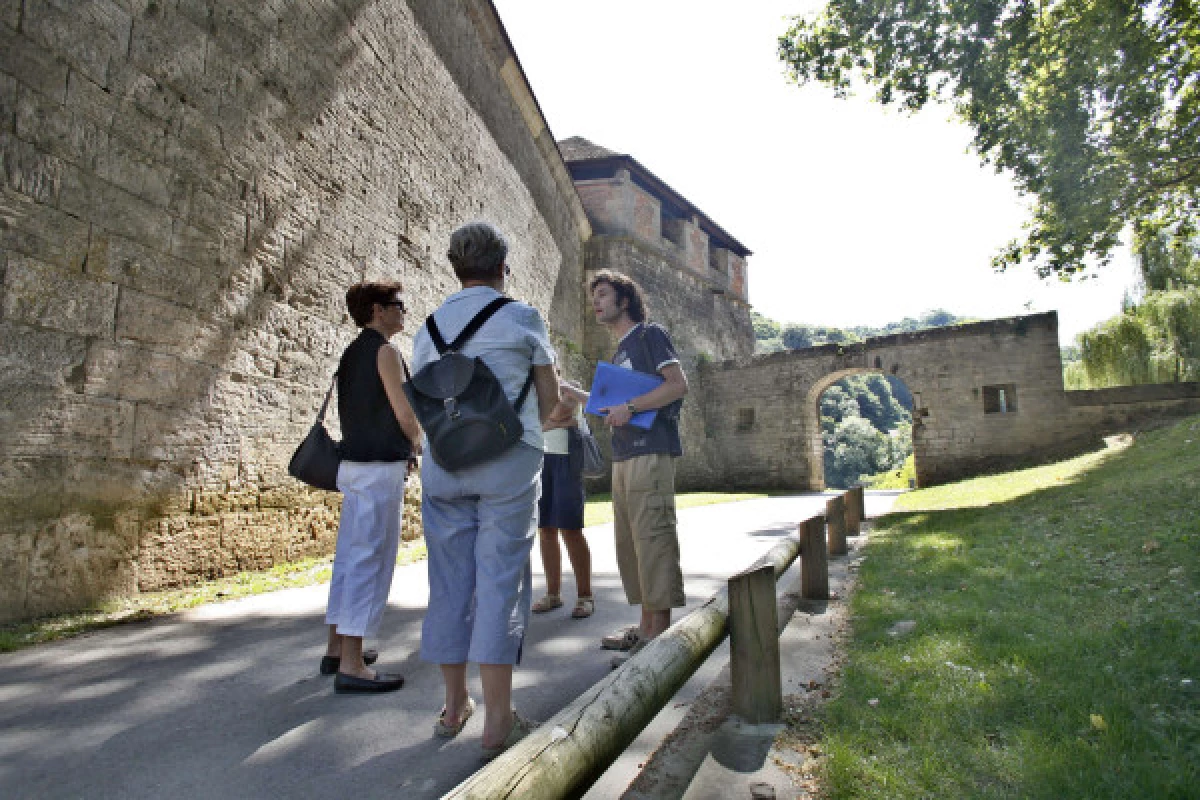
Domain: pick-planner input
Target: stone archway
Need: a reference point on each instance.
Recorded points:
(812, 406)
(761, 425)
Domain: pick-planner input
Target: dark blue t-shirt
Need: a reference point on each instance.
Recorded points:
(648, 348)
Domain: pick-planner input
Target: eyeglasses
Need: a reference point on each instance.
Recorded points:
(397, 303)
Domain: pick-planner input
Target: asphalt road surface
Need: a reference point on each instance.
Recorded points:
(225, 701)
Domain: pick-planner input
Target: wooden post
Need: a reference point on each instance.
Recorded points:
(814, 561)
(835, 518)
(754, 646)
(854, 511)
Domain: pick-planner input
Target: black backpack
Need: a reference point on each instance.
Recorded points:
(459, 402)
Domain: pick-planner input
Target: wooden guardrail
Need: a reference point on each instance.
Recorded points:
(566, 754)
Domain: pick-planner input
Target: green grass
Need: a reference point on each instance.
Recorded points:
(307, 572)
(895, 479)
(1056, 652)
(598, 509)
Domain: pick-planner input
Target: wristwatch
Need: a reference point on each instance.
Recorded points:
(631, 408)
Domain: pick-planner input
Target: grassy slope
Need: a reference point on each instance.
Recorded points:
(1056, 652)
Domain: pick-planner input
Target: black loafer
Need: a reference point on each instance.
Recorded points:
(330, 664)
(382, 682)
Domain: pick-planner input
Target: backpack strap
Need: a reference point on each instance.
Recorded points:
(472, 327)
(524, 392)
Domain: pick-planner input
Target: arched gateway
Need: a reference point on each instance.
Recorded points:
(985, 395)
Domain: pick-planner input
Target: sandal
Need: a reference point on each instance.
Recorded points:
(623, 639)
(585, 606)
(520, 729)
(440, 728)
(548, 602)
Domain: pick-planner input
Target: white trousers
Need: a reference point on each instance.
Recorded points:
(368, 536)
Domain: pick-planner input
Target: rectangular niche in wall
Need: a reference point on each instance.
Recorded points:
(745, 419)
(1000, 399)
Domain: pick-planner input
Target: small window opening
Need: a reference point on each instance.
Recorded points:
(1000, 399)
(745, 419)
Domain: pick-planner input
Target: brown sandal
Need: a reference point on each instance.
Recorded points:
(585, 606)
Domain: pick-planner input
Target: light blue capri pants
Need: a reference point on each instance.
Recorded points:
(480, 525)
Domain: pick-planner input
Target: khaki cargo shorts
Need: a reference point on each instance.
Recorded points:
(643, 493)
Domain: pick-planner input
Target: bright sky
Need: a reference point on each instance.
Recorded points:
(857, 214)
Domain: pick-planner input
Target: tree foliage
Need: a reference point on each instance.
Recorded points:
(771, 336)
(864, 428)
(1154, 340)
(1093, 106)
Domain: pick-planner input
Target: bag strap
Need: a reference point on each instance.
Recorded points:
(328, 395)
(470, 330)
(524, 392)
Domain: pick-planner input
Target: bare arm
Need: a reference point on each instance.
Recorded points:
(545, 383)
(673, 387)
(563, 415)
(391, 372)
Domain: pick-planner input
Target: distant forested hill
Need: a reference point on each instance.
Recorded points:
(771, 336)
(866, 420)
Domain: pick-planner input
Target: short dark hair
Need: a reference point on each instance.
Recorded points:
(362, 297)
(626, 288)
(477, 251)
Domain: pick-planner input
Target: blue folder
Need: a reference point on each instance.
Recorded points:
(615, 386)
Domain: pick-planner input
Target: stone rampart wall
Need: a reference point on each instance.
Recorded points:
(188, 189)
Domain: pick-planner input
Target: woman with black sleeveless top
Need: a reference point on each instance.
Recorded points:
(379, 430)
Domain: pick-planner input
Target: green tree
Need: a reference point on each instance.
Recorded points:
(1154, 340)
(797, 337)
(1093, 106)
(764, 327)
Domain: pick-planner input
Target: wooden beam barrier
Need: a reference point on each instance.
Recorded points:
(754, 646)
(814, 562)
(569, 751)
(835, 518)
(855, 511)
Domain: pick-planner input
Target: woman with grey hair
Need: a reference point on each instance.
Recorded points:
(480, 521)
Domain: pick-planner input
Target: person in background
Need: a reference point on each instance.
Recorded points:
(560, 510)
(378, 432)
(480, 520)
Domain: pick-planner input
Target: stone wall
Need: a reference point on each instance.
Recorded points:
(188, 189)
(760, 419)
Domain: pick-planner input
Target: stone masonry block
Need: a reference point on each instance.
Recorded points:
(36, 420)
(16, 550)
(134, 373)
(254, 540)
(114, 209)
(84, 33)
(39, 294)
(54, 129)
(123, 261)
(167, 327)
(8, 103)
(168, 47)
(76, 561)
(179, 550)
(34, 357)
(104, 486)
(29, 171)
(32, 65)
(40, 231)
(31, 488)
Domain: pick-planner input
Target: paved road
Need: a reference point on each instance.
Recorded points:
(225, 701)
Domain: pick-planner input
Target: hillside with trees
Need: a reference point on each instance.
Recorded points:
(866, 420)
